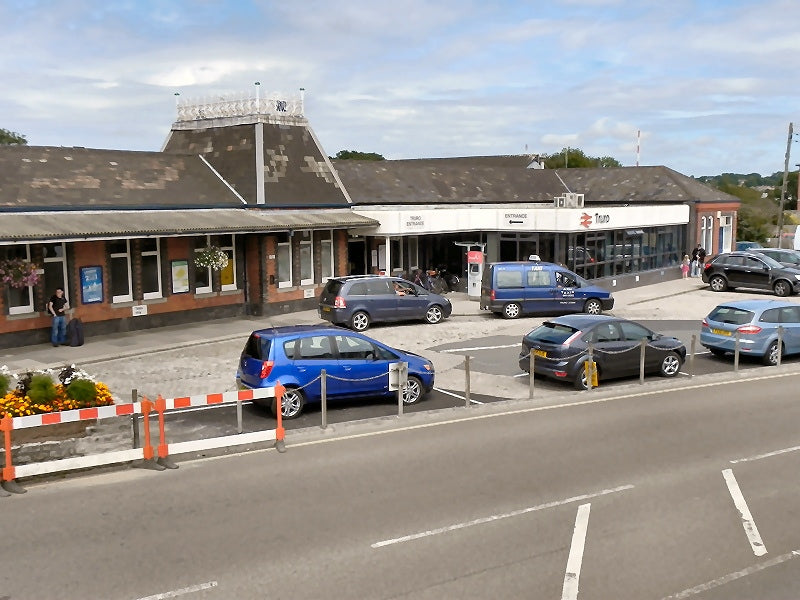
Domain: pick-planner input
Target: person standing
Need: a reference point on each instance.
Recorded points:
(685, 266)
(701, 259)
(695, 271)
(57, 307)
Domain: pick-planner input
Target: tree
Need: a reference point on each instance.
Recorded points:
(8, 138)
(574, 158)
(355, 155)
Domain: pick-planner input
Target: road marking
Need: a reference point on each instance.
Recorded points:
(454, 395)
(187, 590)
(766, 455)
(481, 348)
(733, 576)
(491, 518)
(749, 524)
(573, 574)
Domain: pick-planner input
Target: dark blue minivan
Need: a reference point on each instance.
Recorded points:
(513, 289)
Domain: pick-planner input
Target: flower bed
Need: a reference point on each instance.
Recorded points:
(47, 391)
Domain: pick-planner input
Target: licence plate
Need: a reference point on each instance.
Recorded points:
(541, 353)
(721, 332)
(326, 308)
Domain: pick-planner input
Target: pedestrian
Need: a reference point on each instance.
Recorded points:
(685, 266)
(701, 259)
(695, 271)
(57, 307)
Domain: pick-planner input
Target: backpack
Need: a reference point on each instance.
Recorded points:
(75, 332)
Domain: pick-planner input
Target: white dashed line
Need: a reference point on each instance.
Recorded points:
(704, 587)
(489, 519)
(573, 574)
(749, 524)
(481, 348)
(457, 396)
(187, 590)
(766, 455)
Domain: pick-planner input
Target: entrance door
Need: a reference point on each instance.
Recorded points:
(357, 257)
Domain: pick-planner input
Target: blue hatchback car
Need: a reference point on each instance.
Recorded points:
(756, 322)
(356, 366)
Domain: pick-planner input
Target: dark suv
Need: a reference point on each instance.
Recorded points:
(358, 300)
(750, 270)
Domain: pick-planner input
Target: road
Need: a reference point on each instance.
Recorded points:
(626, 496)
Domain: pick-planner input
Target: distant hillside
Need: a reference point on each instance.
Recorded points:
(751, 180)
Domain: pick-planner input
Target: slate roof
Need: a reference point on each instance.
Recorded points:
(478, 180)
(640, 184)
(20, 227)
(468, 180)
(296, 173)
(65, 178)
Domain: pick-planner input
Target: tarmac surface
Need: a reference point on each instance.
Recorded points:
(201, 358)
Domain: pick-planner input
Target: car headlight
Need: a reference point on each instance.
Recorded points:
(427, 366)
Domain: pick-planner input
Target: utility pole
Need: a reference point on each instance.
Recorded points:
(783, 187)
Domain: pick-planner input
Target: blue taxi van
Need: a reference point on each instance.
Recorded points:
(513, 289)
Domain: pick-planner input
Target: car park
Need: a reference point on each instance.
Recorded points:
(786, 256)
(561, 349)
(751, 270)
(356, 366)
(357, 301)
(514, 289)
(753, 326)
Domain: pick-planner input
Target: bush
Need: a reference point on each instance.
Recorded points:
(82, 390)
(42, 390)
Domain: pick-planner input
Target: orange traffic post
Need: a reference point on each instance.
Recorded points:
(280, 444)
(163, 448)
(8, 475)
(147, 449)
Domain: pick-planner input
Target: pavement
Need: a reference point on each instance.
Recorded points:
(676, 299)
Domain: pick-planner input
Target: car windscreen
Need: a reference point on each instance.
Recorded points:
(551, 333)
(729, 314)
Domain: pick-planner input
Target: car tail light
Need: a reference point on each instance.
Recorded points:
(749, 329)
(704, 323)
(707, 266)
(491, 296)
(266, 368)
(339, 302)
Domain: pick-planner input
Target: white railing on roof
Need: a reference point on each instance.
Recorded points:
(214, 107)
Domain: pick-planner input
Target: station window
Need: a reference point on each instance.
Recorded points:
(119, 252)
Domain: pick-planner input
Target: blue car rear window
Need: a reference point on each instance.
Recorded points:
(257, 347)
(729, 314)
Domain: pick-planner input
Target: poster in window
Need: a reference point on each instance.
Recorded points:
(180, 276)
(91, 285)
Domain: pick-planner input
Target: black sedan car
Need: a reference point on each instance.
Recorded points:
(561, 349)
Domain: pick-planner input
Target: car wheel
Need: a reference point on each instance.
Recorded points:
(292, 403)
(512, 310)
(434, 314)
(718, 283)
(718, 352)
(771, 357)
(580, 377)
(782, 288)
(670, 365)
(359, 321)
(593, 307)
(413, 390)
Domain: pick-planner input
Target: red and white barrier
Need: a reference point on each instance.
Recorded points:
(9, 473)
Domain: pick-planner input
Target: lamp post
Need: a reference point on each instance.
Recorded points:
(783, 187)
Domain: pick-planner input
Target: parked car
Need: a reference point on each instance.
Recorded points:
(786, 256)
(744, 245)
(756, 322)
(359, 300)
(561, 349)
(750, 270)
(513, 289)
(357, 366)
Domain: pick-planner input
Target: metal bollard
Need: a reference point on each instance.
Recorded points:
(643, 344)
(589, 369)
(403, 379)
(531, 375)
(691, 356)
(239, 425)
(736, 353)
(467, 400)
(323, 384)
(780, 345)
(135, 420)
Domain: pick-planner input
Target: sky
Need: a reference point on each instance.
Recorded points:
(704, 86)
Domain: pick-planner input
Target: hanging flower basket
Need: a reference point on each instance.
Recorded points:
(18, 273)
(212, 258)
